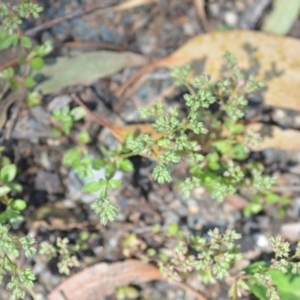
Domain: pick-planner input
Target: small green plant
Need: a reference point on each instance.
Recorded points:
(30, 56)
(213, 142)
(65, 251)
(12, 206)
(208, 136)
(20, 279)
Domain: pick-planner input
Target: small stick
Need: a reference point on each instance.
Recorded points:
(95, 117)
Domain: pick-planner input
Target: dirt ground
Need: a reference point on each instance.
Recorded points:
(56, 205)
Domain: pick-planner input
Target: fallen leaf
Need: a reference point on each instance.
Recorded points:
(103, 279)
(276, 60)
(275, 137)
(282, 17)
(85, 69)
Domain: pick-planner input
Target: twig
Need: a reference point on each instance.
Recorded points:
(77, 13)
(13, 121)
(96, 118)
(199, 5)
(190, 290)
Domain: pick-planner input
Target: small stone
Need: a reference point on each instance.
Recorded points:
(279, 116)
(198, 192)
(193, 206)
(214, 9)
(230, 18)
(49, 182)
(189, 29)
(261, 240)
(296, 122)
(147, 44)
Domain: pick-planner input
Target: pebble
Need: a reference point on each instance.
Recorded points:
(170, 217)
(230, 18)
(193, 206)
(189, 29)
(261, 240)
(147, 44)
(49, 182)
(214, 9)
(279, 116)
(296, 122)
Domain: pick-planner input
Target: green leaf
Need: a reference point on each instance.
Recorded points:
(6, 42)
(114, 183)
(8, 173)
(84, 137)
(172, 229)
(37, 63)
(110, 170)
(78, 113)
(91, 187)
(71, 155)
(102, 182)
(252, 208)
(223, 146)
(126, 165)
(238, 128)
(29, 82)
(33, 99)
(19, 204)
(26, 42)
(287, 284)
(98, 163)
(239, 152)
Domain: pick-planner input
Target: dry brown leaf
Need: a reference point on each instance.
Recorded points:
(275, 137)
(276, 58)
(102, 280)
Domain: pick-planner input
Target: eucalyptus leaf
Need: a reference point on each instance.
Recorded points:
(85, 69)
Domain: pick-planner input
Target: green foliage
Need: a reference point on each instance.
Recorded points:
(210, 139)
(215, 143)
(30, 57)
(66, 118)
(8, 189)
(66, 253)
(278, 279)
(10, 250)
